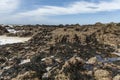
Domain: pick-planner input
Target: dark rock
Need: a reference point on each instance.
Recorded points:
(3, 30)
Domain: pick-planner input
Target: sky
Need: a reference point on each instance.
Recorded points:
(59, 11)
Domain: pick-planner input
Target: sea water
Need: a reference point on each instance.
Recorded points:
(9, 40)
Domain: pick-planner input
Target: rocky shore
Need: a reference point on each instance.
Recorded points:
(61, 52)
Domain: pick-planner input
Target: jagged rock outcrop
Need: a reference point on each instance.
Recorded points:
(71, 52)
(3, 30)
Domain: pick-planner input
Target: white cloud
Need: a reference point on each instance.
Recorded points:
(7, 6)
(40, 14)
(74, 8)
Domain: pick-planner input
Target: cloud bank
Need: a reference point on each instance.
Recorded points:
(78, 7)
(75, 8)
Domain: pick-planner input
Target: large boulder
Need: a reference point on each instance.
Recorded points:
(101, 74)
(3, 30)
(117, 77)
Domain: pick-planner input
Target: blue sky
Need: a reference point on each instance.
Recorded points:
(59, 11)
